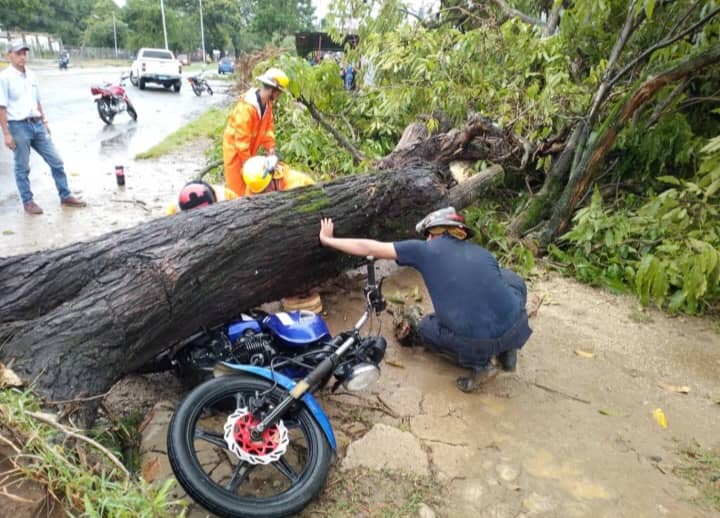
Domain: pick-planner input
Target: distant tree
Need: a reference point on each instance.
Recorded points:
(65, 19)
(144, 22)
(99, 31)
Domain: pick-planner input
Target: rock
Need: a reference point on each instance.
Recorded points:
(507, 473)
(404, 400)
(447, 429)
(451, 462)
(154, 435)
(386, 447)
(425, 511)
(469, 491)
(502, 510)
(536, 503)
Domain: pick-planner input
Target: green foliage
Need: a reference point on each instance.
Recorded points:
(209, 125)
(490, 224)
(702, 468)
(87, 484)
(667, 251)
(668, 147)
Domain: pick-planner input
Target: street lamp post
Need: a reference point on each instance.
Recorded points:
(162, 12)
(115, 35)
(202, 33)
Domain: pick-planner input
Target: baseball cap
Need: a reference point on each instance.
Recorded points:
(17, 46)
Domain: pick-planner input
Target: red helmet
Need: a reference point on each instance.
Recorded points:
(196, 194)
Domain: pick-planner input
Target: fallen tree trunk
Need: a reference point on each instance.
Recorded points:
(76, 319)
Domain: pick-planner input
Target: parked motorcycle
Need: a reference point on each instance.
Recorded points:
(199, 84)
(254, 442)
(112, 100)
(63, 61)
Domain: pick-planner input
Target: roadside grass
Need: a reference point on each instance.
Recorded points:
(208, 125)
(84, 477)
(365, 492)
(702, 468)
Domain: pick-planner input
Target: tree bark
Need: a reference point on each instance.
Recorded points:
(592, 155)
(76, 319)
(478, 139)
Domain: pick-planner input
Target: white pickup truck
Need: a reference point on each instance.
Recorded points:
(156, 66)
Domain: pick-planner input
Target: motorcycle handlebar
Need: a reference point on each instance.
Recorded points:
(370, 270)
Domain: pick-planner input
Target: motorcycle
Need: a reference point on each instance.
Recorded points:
(63, 61)
(199, 84)
(253, 441)
(112, 99)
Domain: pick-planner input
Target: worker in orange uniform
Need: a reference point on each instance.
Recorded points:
(259, 178)
(250, 126)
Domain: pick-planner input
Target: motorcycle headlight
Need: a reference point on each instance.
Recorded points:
(361, 376)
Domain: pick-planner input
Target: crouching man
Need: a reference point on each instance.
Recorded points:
(479, 307)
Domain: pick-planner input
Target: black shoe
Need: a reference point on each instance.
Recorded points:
(478, 376)
(508, 360)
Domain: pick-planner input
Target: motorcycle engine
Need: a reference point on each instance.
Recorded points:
(253, 349)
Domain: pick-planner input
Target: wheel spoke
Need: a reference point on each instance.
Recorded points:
(213, 438)
(286, 469)
(240, 474)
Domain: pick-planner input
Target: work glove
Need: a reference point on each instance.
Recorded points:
(271, 162)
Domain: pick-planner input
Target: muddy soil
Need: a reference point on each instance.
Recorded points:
(571, 433)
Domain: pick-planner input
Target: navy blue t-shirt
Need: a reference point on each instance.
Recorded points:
(467, 290)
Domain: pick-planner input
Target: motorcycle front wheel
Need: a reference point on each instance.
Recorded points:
(105, 111)
(221, 480)
(209, 90)
(197, 89)
(131, 111)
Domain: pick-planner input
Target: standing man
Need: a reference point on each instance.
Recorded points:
(250, 126)
(479, 307)
(24, 126)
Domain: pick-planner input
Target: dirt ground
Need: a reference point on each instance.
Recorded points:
(570, 434)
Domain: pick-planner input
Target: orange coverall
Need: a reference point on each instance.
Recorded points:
(245, 132)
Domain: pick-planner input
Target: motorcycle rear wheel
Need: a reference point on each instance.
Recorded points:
(197, 89)
(222, 483)
(105, 111)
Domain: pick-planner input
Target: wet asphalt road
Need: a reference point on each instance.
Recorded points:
(90, 149)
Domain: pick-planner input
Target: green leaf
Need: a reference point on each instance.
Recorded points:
(649, 8)
(669, 179)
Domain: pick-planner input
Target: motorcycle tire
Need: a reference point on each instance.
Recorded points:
(131, 111)
(196, 445)
(105, 111)
(209, 90)
(197, 90)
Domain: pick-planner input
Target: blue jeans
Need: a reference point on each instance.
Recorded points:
(34, 135)
(474, 352)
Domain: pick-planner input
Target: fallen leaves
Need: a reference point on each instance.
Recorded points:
(8, 378)
(674, 388)
(584, 354)
(660, 418)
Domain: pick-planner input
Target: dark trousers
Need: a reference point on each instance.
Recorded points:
(473, 352)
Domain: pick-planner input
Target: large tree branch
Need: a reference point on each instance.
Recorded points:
(628, 28)
(664, 43)
(553, 20)
(583, 171)
(514, 13)
(315, 113)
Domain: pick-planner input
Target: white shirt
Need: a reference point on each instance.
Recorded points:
(19, 93)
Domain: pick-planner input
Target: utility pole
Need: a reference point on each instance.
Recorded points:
(115, 35)
(202, 33)
(162, 12)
